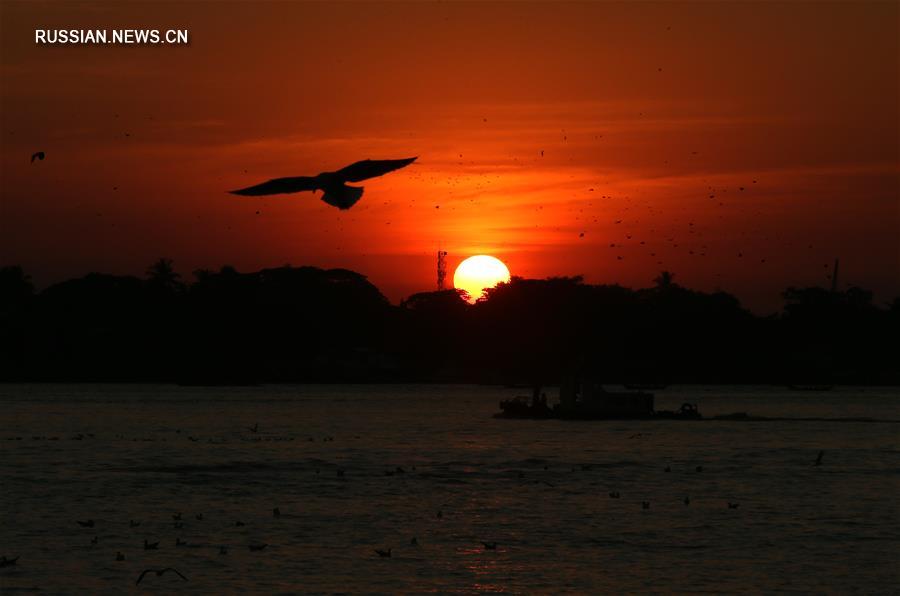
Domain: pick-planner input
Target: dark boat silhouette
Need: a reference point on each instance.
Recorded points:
(800, 387)
(584, 398)
(646, 386)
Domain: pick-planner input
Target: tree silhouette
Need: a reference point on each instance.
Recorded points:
(306, 324)
(161, 274)
(664, 280)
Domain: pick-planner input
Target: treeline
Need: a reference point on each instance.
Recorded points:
(305, 324)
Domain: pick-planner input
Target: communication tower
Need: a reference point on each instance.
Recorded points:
(441, 269)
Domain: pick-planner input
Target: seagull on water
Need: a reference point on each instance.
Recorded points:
(333, 184)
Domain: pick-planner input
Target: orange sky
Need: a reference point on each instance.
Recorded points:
(653, 106)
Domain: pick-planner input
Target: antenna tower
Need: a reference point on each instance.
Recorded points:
(441, 269)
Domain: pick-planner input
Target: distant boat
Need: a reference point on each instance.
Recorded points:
(519, 407)
(810, 387)
(586, 399)
(646, 386)
(214, 381)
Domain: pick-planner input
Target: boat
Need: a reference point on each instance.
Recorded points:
(810, 387)
(687, 411)
(584, 398)
(519, 407)
(646, 386)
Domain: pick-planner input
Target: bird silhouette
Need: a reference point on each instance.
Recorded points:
(150, 545)
(86, 524)
(385, 554)
(733, 505)
(37, 156)
(159, 573)
(4, 562)
(490, 545)
(333, 184)
(257, 547)
(819, 458)
(120, 556)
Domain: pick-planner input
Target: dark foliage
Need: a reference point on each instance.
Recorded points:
(309, 324)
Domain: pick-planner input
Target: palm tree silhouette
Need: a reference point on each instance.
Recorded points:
(162, 274)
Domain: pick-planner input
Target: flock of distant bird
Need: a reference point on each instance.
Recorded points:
(338, 193)
(177, 519)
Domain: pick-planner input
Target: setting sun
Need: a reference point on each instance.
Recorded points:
(479, 272)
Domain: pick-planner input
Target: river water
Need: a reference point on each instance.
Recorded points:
(358, 468)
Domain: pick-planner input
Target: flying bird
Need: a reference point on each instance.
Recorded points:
(159, 573)
(39, 156)
(333, 184)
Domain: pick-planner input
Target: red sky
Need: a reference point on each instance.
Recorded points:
(655, 107)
